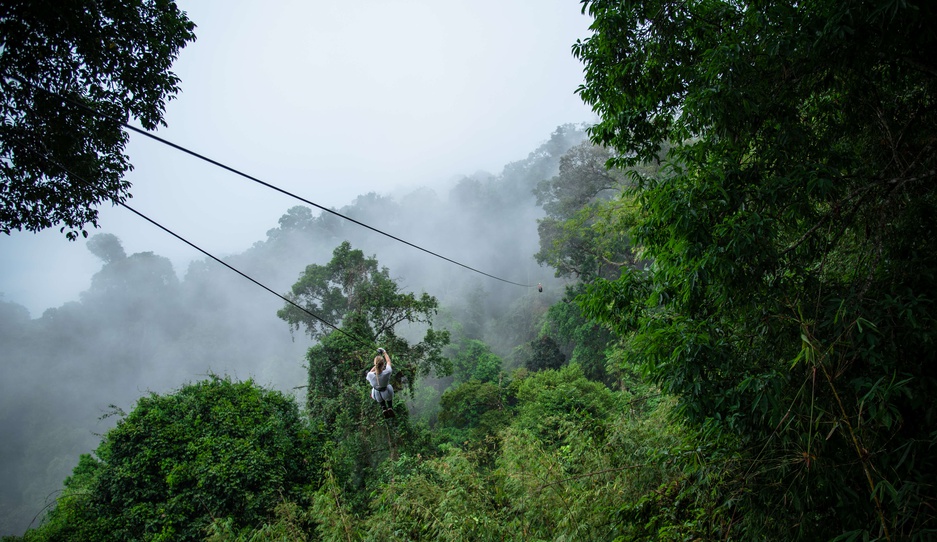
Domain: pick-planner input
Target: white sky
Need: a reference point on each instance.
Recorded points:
(328, 100)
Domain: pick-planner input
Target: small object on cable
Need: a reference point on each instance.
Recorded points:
(539, 287)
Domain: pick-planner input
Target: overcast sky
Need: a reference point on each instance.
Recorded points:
(328, 100)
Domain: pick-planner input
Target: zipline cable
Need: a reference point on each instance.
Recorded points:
(248, 277)
(213, 257)
(304, 200)
(263, 183)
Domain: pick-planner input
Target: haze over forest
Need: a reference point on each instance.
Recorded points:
(731, 336)
(142, 326)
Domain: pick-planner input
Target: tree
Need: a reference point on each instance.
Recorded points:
(791, 305)
(519, 178)
(351, 284)
(474, 360)
(586, 340)
(579, 202)
(73, 517)
(107, 247)
(297, 220)
(574, 459)
(545, 354)
(60, 160)
(212, 450)
(130, 290)
(365, 306)
(353, 293)
(473, 410)
(552, 401)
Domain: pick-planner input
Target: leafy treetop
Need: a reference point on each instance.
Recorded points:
(57, 160)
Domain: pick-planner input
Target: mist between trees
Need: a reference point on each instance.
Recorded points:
(736, 344)
(139, 328)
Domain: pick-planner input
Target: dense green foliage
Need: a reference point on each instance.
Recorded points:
(743, 351)
(214, 450)
(567, 458)
(545, 353)
(474, 360)
(59, 160)
(790, 304)
(582, 340)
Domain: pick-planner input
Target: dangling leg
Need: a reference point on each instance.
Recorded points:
(379, 399)
(387, 406)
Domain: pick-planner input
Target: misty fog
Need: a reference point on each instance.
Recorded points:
(142, 326)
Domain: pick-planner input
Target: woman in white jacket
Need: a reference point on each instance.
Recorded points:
(379, 379)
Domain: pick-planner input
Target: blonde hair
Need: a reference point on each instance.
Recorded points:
(379, 364)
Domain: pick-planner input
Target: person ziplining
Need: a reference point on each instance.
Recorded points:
(379, 379)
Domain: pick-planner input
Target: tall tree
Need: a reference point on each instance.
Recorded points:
(134, 295)
(574, 237)
(365, 306)
(57, 159)
(791, 306)
(356, 305)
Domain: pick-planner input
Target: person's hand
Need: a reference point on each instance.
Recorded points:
(380, 351)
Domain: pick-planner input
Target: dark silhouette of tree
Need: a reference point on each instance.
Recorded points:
(545, 353)
(107, 247)
(59, 160)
